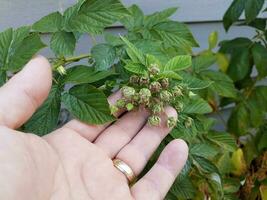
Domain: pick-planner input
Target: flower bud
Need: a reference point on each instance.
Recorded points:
(114, 109)
(61, 70)
(134, 80)
(171, 122)
(154, 69)
(144, 80)
(144, 95)
(179, 106)
(121, 103)
(157, 108)
(154, 120)
(177, 91)
(165, 95)
(165, 83)
(128, 92)
(188, 122)
(129, 106)
(155, 87)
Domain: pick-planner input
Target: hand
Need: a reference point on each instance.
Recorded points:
(75, 161)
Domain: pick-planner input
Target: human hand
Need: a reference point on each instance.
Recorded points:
(75, 161)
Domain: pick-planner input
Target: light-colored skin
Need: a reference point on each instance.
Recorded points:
(75, 161)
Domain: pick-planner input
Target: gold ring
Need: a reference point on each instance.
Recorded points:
(125, 169)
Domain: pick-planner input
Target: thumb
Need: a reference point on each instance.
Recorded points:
(25, 92)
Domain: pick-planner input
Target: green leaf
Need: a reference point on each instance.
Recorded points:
(223, 139)
(135, 20)
(169, 74)
(233, 13)
(94, 15)
(63, 43)
(81, 74)
(3, 78)
(157, 17)
(88, 104)
(136, 68)
(205, 165)
(49, 24)
(135, 54)
(104, 56)
(221, 85)
(175, 34)
(252, 9)
(203, 62)
(45, 119)
(178, 63)
(230, 46)
(203, 150)
(27, 49)
(193, 82)
(197, 106)
(213, 40)
(259, 53)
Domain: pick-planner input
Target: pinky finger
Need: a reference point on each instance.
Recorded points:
(157, 182)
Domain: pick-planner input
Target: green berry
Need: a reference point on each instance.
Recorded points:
(144, 80)
(129, 106)
(165, 83)
(171, 122)
(114, 109)
(177, 91)
(154, 69)
(188, 122)
(144, 96)
(154, 120)
(155, 87)
(121, 103)
(165, 96)
(128, 92)
(157, 108)
(134, 80)
(179, 106)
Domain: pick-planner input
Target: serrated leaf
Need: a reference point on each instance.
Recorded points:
(169, 74)
(223, 139)
(197, 106)
(203, 150)
(49, 24)
(213, 40)
(175, 34)
(233, 13)
(202, 62)
(135, 20)
(259, 53)
(178, 63)
(45, 119)
(63, 43)
(88, 104)
(104, 56)
(135, 68)
(157, 17)
(135, 54)
(81, 74)
(252, 9)
(94, 15)
(221, 85)
(193, 82)
(205, 165)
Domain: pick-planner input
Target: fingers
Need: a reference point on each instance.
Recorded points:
(90, 132)
(121, 132)
(25, 92)
(137, 153)
(157, 182)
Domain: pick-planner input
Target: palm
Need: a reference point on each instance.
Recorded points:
(75, 161)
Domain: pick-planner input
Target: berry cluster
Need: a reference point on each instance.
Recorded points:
(152, 92)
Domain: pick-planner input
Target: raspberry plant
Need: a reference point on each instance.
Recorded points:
(154, 66)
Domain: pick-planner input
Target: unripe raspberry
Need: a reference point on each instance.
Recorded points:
(188, 122)
(134, 80)
(171, 122)
(154, 120)
(177, 91)
(165, 83)
(114, 109)
(121, 103)
(144, 80)
(129, 106)
(157, 108)
(179, 106)
(128, 92)
(144, 95)
(155, 87)
(154, 69)
(165, 95)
